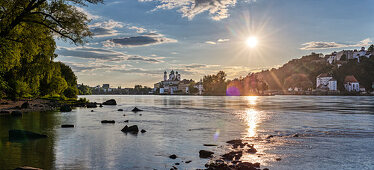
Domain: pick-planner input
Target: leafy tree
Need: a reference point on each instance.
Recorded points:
(215, 84)
(343, 57)
(371, 48)
(84, 90)
(298, 80)
(71, 92)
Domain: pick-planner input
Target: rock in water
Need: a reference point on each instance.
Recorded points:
(173, 156)
(205, 154)
(120, 110)
(91, 105)
(108, 121)
(16, 113)
(67, 126)
(101, 105)
(136, 110)
(65, 108)
(25, 105)
(110, 102)
(22, 134)
(132, 129)
(143, 131)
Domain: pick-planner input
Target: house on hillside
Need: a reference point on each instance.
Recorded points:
(351, 84)
(326, 82)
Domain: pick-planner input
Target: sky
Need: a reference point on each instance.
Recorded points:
(135, 41)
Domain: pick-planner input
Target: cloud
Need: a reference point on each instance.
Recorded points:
(217, 42)
(137, 41)
(80, 67)
(196, 66)
(103, 54)
(105, 28)
(210, 42)
(138, 29)
(89, 15)
(145, 59)
(319, 45)
(218, 9)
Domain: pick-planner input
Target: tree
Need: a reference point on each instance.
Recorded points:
(215, 84)
(343, 57)
(60, 17)
(71, 92)
(371, 48)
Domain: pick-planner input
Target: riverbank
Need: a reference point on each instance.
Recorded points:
(36, 105)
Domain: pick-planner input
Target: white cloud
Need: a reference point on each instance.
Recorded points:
(210, 42)
(218, 9)
(105, 28)
(320, 45)
(89, 15)
(138, 29)
(217, 42)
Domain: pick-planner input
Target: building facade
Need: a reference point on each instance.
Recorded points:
(325, 81)
(351, 84)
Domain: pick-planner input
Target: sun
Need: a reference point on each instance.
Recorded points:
(252, 42)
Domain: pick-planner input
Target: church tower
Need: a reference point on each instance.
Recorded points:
(165, 76)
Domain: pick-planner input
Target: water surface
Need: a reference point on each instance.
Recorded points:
(334, 133)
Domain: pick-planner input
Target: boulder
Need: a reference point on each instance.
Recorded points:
(91, 105)
(108, 121)
(132, 129)
(210, 145)
(295, 135)
(110, 102)
(65, 108)
(100, 105)
(92, 110)
(143, 131)
(120, 110)
(126, 121)
(187, 162)
(67, 126)
(173, 156)
(16, 113)
(177, 163)
(25, 105)
(22, 134)
(205, 154)
(136, 109)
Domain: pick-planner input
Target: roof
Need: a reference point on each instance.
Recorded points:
(324, 75)
(350, 79)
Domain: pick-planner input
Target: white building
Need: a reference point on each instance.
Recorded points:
(351, 84)
(327, 82)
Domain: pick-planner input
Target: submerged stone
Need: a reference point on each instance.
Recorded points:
(110, 102)
(108, 121)
(132, 129)
(205, 154)
(136, 109)
(67, 126)
(22, 134)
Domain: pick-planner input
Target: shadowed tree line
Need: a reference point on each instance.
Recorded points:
(28, 29)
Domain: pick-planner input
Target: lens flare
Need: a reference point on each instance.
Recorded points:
(216, 135)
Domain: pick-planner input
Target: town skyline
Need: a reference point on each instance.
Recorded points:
(136, 46)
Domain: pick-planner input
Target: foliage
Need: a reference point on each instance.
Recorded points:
(27, 45)
(84, 90)
(371, 48)
(215, 84)
(249, 85)
(71, 92)
(298, 80)
(192, 89)
(311, 66)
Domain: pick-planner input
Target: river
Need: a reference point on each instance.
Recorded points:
(334, 132)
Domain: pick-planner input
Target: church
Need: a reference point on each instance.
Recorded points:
(172, 84)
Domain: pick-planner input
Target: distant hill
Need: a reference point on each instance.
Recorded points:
(302, 72)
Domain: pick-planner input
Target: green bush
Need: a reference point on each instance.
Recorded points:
(71, 92)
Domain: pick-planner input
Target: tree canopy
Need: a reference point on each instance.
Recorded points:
(28, 29)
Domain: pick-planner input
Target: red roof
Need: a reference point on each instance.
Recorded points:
(350, 79)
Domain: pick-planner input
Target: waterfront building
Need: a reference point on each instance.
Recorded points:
(326, 82)
(351, 84)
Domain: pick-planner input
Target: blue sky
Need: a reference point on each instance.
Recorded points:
(136, 40)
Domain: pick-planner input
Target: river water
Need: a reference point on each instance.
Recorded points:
(333, 133)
